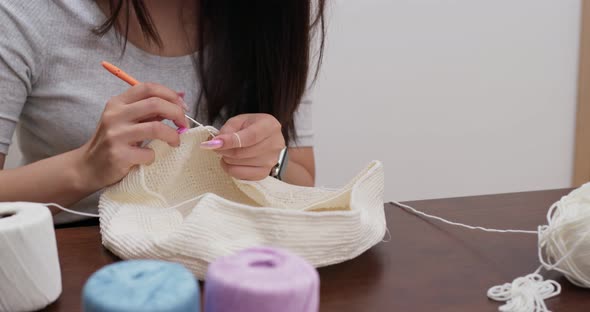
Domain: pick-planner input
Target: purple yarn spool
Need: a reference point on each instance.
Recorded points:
(262, 279)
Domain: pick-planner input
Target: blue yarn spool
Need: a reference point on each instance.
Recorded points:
(142, 285)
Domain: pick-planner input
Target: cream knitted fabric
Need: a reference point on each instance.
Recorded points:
(185, 208)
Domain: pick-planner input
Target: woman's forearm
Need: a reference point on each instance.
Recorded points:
(57, 179)
(297, 174)
(108, 156)
(63, 179)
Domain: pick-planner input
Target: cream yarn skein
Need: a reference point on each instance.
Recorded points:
(184, 208)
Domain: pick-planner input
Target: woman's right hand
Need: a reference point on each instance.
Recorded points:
(127, 120)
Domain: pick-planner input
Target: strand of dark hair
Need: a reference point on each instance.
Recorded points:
(257, 56)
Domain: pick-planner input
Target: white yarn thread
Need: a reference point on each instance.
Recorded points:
(526, 294)
(30, 277)
(564, 240)
(212, 131)
(459, 224)
(72, 211)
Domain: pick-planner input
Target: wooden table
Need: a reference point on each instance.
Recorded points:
(426, 266)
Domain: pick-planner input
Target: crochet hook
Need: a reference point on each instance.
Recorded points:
(132, 81)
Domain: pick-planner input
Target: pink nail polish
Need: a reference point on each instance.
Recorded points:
(181, 130)
(213, 144)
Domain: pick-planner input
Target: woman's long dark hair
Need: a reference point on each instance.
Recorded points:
(258, 53)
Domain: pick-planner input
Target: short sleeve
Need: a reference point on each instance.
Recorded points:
(19, 54)
(303, 124)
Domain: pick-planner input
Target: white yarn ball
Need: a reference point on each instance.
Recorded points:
(564, 244)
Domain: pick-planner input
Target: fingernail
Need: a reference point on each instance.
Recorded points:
(183, 103)
(212, 144)
(181, 130)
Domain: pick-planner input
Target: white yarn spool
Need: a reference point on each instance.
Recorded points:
(29, 267)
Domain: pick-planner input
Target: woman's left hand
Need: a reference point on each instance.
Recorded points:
(249, 144)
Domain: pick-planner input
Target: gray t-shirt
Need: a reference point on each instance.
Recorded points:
(53, 88)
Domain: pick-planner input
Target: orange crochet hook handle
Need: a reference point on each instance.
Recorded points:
(119, 73)
(132, 81)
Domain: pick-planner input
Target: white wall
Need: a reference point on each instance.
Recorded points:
(455, 97)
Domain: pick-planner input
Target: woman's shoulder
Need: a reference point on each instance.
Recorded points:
(38, 26)
(16, 6)
(34, 30)
(30, 13)
(48, 18)
(23, 25)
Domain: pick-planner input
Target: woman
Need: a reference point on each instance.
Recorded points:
(241, 66)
